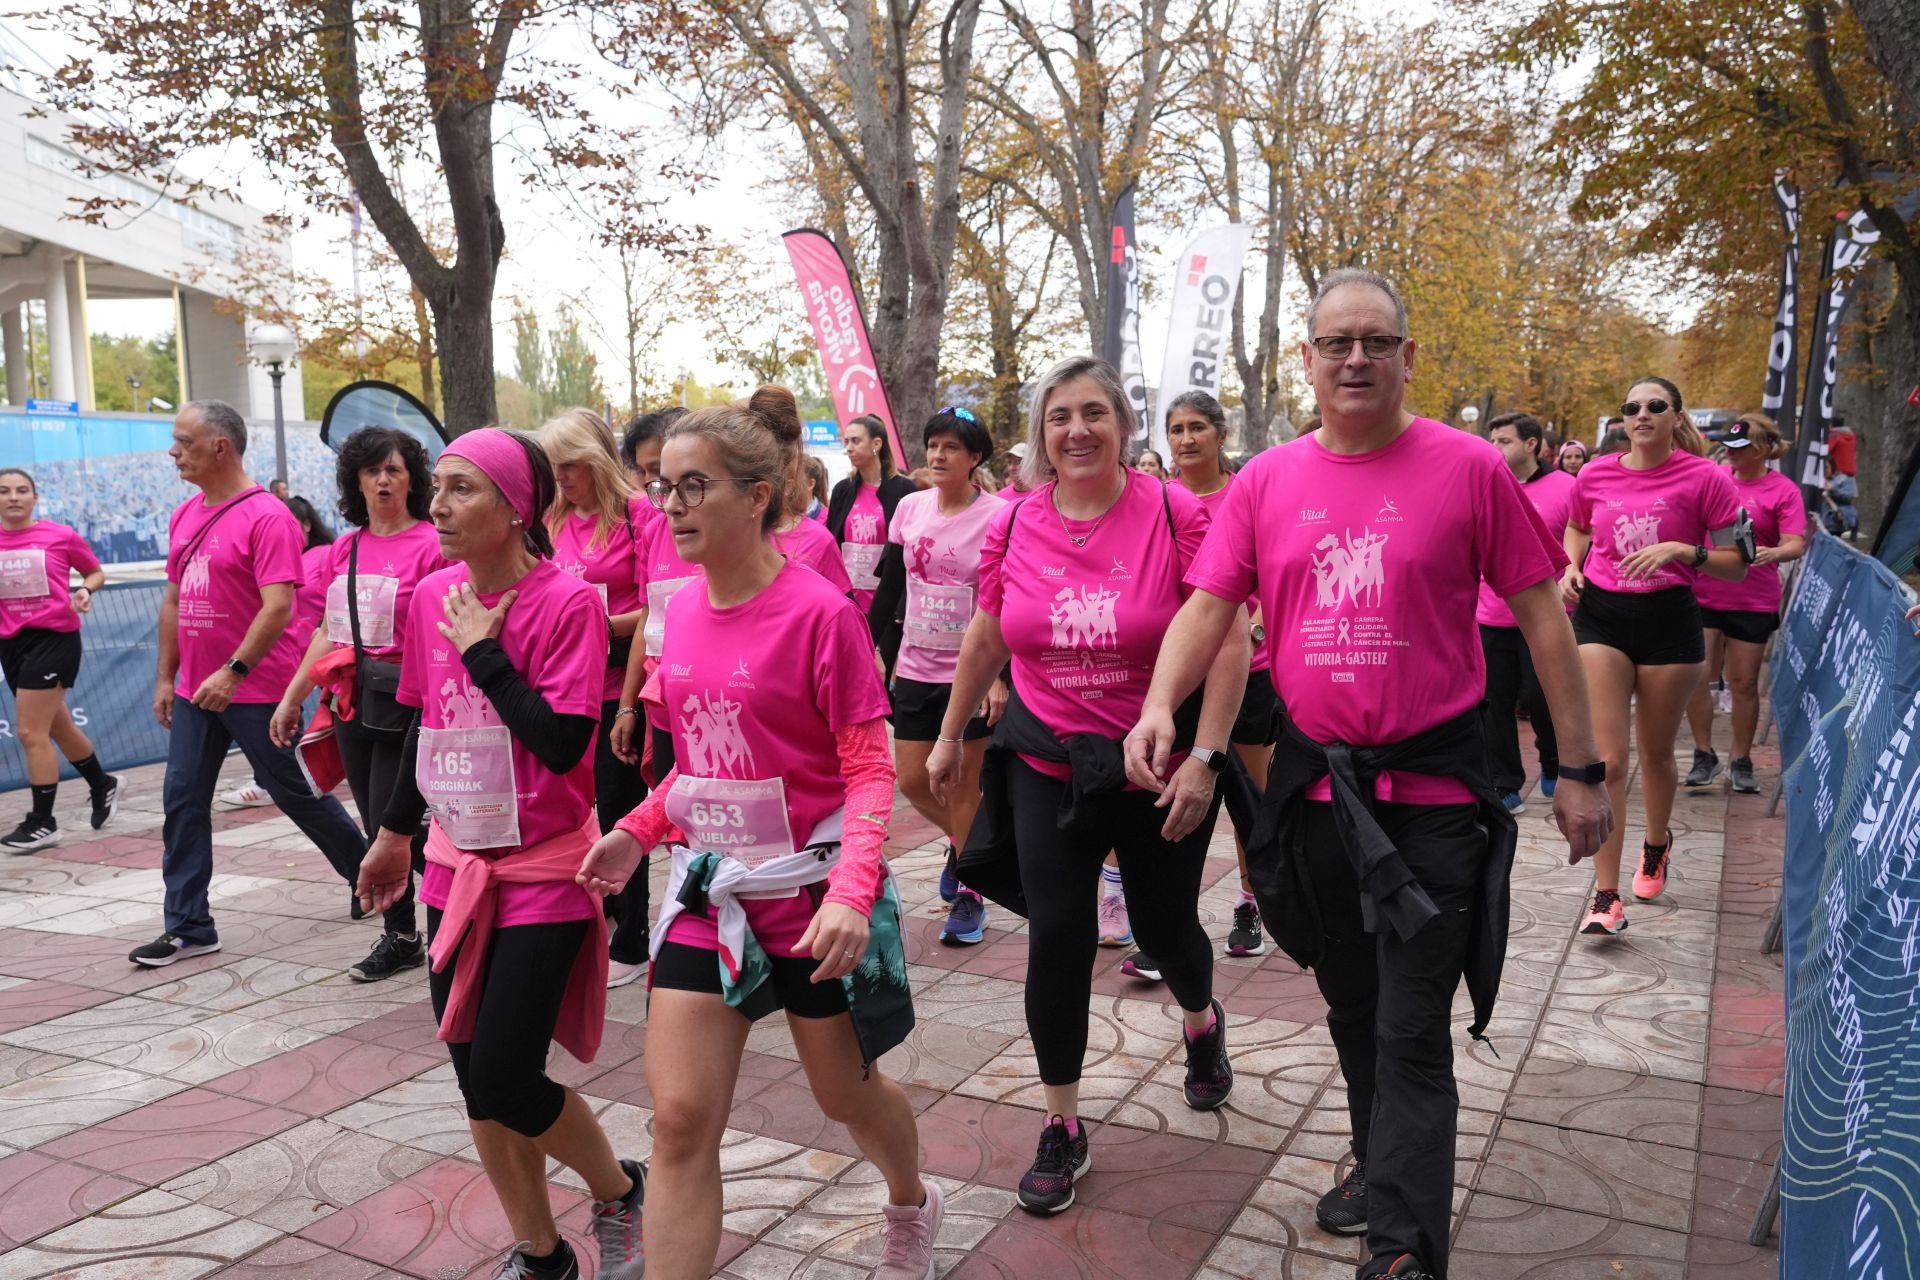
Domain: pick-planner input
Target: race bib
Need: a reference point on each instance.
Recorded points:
(23, 574)
(862, 560)
(739, 818)
(601, 588)
(937, 615)
(658, 593)
(377, 597)
(466, 776)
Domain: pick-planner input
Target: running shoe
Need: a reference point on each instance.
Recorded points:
(516, 1267)
(1407, 1267)
(1115, 929)
(616, 1226)
(1512, 803)
(1062, 1159)
(907, 1239)
(1246, 938)
(1209, 1073)
(619, 974)
(106, 802)
(167, 948)
(248, 795)
(1140, 965)
(1343, 1210)
(1548, 784)
(950, 876)
(966, 921)
(1740, 776)
(1651, 879)
(1607, 915)
(391, 953)
(32, 833)
(1706, 767)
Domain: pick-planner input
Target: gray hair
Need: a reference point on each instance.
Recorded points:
(1342, 276)
(223, 419)
(1037, 468)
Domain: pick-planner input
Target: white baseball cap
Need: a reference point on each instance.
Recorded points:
(1019, 450)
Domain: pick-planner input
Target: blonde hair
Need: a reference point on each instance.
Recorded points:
(583, 438)
(758, 440)
(1759, 424)
(1036, 469)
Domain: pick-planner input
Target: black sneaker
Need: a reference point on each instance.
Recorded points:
(106, 802)
(1140, 965)
(966, 921)
(1061, 1160)
(616, 1225)
(1405, 1267)
(1706, 767)
(1740, 777)
(391, 953)
(1343, 1210)
(1209, 1074)
(516, 1267)
(1246, 937)
(169, 947)
(32, 833)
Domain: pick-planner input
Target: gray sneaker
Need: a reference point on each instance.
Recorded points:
(1706, 767)
(515, 1266)
(1740, 777)
(616, 1225)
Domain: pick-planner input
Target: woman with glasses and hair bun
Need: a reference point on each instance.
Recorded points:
(861, 508)
(1655, 518)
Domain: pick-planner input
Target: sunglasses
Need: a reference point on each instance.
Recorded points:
(1377, 346)
(960, 412)
(1632, 407)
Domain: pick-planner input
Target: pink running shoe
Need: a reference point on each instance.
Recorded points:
(1607, 916)
(1115, 929)
(1650, 881)
(909, 1237)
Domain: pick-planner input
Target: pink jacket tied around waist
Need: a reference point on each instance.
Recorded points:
(469, 914)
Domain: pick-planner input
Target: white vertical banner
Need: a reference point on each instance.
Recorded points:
(1204, 284)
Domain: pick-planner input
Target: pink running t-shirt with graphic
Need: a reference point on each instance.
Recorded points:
(34, 565)
(1684, 499)
(942, 552)
(389, 569)
(1367, 567)
(1085, 623)
(1212, 502)
(255, 544)
(1551, 493)
(310, 596)
(812, 545)
(1774, 504)
(556, 637)
(609, 568)
(866, 532)
(757, 691)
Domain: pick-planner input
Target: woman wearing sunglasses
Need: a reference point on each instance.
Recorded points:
(1654, 518)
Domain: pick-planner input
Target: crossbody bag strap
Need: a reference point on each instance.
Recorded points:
(353, 599)
(207, 528)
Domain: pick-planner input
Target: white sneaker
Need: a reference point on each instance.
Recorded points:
(619, 975)
(248, 795)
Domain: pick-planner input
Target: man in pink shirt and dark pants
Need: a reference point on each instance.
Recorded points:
(1382, 852)
(233, 560)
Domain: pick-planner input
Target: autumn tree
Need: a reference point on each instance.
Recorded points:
(344, 96)
(748, 313)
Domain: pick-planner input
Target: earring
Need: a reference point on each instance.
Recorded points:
(516, 522)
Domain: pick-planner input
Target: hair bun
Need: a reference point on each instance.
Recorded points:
(776, 407)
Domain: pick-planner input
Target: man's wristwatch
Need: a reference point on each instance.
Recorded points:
(1259, 633)
(1215, 760)
(1592, 773)
(1699, 555)
(238, 667)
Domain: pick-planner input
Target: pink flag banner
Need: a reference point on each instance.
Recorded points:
(840, 331)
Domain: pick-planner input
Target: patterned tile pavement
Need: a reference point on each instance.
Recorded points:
(254, 1114)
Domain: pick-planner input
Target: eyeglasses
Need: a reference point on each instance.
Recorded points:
(960, 412)
(692, 490)
(1632, 407)
(1378, 346)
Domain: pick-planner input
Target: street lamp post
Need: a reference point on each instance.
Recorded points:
(133, 391)
(274, 345)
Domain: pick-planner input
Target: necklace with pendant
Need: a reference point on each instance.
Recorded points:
(1101, 519)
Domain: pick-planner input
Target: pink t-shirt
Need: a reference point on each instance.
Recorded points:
(1684, 499)
(34, 564)
(556, 638)
(756, 693)
(255, 544)
(1551, 493)
(1777, 510)
(310, 597)
(388, 571)
(1085, 623)
(1367, 567)
(809, 543)
(659, 572)
(942, 553)
(864, 534)
(1262, 661)
(608, 568)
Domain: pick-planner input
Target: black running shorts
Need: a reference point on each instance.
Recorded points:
(1653, 628)
(35, 658)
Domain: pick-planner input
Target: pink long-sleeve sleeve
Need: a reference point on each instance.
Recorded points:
(649, 824)
(867, 765)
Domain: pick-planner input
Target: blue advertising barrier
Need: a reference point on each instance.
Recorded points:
(1846, 694)
(113, 700)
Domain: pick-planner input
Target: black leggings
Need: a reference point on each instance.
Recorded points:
(1061, 876)
(503, 1069)
(374, 762)
(618, 790)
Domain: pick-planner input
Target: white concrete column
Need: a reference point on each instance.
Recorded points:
(59, 325)
(76, 273)
(13, 334)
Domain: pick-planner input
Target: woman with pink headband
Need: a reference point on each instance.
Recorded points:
(507, 675)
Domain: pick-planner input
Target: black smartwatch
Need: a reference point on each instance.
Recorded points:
(236, 666)
(1699, 556)
(1595, 773)
(1214, 759)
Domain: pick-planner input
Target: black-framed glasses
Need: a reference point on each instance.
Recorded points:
(692, 490)
(1632, 407)
(1378, 346)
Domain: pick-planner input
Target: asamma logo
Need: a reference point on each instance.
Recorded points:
(1389, 511)
(741, 678)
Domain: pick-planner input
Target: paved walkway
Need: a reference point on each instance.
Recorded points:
(254, 1114)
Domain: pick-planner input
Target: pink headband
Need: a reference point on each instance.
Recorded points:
(504, 461)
